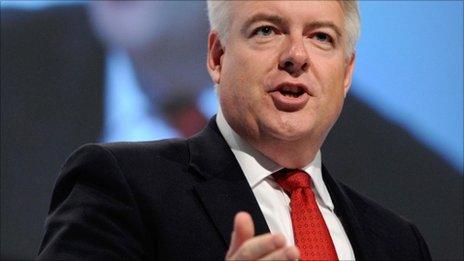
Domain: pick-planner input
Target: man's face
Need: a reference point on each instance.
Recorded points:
(283, 73)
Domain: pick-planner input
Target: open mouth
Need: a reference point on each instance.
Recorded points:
(291, 91)
(290, 97)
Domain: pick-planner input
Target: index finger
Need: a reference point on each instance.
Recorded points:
(243, 230)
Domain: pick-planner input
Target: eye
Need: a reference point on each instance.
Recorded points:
(264, 31)
(323, 37)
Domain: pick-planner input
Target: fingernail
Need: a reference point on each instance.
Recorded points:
(279, 240)
(292, 253)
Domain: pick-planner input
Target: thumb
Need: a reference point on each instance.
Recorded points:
(243, 230)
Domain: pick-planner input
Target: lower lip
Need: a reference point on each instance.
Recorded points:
(289, 103)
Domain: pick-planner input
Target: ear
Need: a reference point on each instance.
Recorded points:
(215, 52)
(349, 73)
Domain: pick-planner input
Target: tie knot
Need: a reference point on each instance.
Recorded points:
(291, 179)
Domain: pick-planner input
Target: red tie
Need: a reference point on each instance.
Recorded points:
(310, 231)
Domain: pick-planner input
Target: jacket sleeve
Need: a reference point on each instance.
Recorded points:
(93, 214)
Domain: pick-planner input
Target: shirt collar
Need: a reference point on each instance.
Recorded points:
(258, 167)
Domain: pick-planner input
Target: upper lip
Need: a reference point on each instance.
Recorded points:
(291, 87)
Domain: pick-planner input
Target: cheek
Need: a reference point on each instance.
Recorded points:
(244, 75)
(333, 93)
(333, 82)
(250, 64)
(234, 94)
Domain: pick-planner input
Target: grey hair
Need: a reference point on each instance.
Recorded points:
(219, 20)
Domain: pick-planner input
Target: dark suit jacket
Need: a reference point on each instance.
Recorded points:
(176, 199)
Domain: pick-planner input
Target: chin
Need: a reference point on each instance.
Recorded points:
(291, 131)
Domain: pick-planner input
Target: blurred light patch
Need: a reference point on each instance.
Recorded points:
(410, 69)
(31, 4)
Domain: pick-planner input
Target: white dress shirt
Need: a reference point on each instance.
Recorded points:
(273, 201)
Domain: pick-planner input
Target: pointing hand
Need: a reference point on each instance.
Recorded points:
(245, 246)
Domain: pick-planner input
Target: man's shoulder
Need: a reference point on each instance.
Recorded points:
(111, 167)
(158, 148)
(134, 153)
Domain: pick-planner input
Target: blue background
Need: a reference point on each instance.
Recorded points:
(410, 69)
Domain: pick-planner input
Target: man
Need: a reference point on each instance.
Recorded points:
(283, 69)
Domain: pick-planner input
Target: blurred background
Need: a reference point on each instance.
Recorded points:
(76, 72)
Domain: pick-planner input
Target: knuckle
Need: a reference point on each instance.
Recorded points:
(245, 252)
(268, 244)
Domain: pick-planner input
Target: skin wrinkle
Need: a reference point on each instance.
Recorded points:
(263, 17)
(221, 11)
(281, 22)
(250, 66)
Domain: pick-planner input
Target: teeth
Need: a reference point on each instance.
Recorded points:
(291, 89)
(294, 95)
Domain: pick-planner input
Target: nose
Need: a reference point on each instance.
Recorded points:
(294, 59)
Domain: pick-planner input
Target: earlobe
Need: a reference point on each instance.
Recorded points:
(349, 73)
(215, 52)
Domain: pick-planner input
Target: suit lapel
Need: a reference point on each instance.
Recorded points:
(350, 218)
(224, 190)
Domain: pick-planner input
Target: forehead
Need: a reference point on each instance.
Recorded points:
(292, 11)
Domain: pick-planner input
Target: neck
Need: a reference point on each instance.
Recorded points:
(290, 154)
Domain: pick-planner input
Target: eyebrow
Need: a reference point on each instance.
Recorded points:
(263, 17)
(324, 24)
(279, 20)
